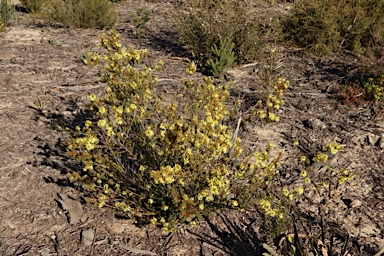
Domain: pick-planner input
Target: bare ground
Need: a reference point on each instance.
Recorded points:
(39, 61)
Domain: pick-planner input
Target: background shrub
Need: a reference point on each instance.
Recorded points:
(204, 23)
(82, 13)
(325, 26)
(6, 13)
(33, 6)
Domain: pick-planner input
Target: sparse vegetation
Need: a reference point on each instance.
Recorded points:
(34, 6)
(203, 24)
(6, 14)
(309, 243)
(81, 13)
(328, 26)
(140, 18)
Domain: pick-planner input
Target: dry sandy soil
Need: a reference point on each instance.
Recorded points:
(42, 61)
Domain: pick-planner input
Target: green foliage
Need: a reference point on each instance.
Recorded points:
(374, 88)
(325, 26)
(34, 6)
(6, 14)
(82, 13)
(140, 18)
(223, 58)
(202, 23)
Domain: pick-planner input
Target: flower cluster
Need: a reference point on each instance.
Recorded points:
(266, 109)
(374, 88)
(321, 180)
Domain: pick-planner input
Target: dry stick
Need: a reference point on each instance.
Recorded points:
(234, 137)
(344, 39)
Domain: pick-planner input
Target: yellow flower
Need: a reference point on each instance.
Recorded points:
(272, 117)
(149, 132)
(209, 198)
(110, 131)
(271, 213)
(325, 183)
(88, 123)
(235, 203)
(303, 173)
(169, 179)
(320, 157)
(89, 146)
(92, 97)
(262, 114)
(102, 110)
(153, 221)
(191, 69)
(300, 190)
(119, 120)
(88, 166)
(101, 123)
(307, 180)
(285, 191)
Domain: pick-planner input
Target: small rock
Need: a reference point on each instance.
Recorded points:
(314, 124)
(87, 236)
(371, 139)
(355, 203)
(73, 208)
(67, 113)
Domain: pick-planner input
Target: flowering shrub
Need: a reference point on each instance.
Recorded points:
(162, 160)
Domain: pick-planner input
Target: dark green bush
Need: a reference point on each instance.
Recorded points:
(82, 13)
(223, 57)
(327, 26)
(33, 5)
